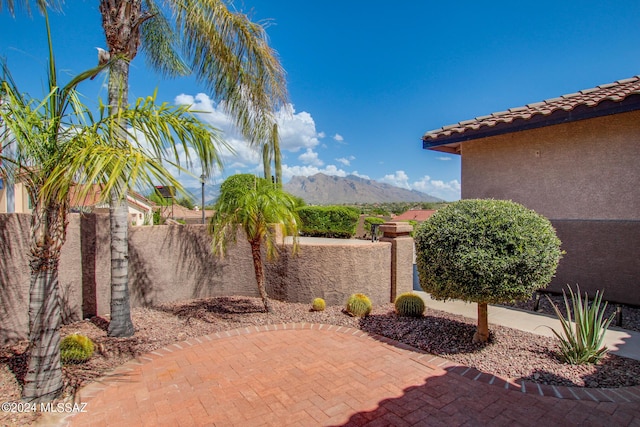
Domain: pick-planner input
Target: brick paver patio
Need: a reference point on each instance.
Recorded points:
(312, 375)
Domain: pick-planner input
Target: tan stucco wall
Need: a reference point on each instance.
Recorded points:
(332, 272)
(588, 169)
(585, 177)
(14, 275)
(170, 263)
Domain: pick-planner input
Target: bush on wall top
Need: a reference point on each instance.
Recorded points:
(486, 251)
(328, 221)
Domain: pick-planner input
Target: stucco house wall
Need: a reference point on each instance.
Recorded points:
(589, 169)
(574, 159)
(585, 177)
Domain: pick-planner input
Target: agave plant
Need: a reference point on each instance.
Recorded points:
(582, 340)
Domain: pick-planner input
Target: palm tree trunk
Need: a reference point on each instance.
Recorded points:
(43, 380)
(120, 324)
(482, 332)
(259, 270)
(277, 156)
(266, 161)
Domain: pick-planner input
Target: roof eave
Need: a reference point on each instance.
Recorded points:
(451, 143)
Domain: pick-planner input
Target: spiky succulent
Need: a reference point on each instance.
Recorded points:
(359, 305)
(409, 304)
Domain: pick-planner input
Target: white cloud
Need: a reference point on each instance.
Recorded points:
(399, 179)
(443, 158)
(359, 175)
(310, 157)
(445, 190)
(291, 171)
(321, 135)
(345, 160)
(296, 130)
(338, 137)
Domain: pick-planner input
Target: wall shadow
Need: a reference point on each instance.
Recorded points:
(194, 258)
(88, 245)
(140, 282)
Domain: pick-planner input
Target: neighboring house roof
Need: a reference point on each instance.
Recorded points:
(93, 196)
(415, 215)
(179, 211)
(613, 98)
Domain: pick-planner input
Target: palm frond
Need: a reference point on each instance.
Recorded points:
(10, 5)
(231, 55)
(160, 44)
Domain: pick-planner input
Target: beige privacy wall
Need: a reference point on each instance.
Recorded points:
(171, 263)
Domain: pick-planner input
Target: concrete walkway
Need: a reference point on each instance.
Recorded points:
(325, 375)
(619, 341)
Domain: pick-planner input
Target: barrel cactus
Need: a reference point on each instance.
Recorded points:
(409, 304)
(318, 304)
(76, 349)
(359, 305)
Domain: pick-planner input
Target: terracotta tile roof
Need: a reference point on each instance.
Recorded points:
(588, 99)
(415, 215)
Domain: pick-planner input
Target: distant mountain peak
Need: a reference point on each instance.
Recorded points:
(322, 189)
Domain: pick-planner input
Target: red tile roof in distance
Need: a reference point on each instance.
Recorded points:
(612, 98)
(415, 215)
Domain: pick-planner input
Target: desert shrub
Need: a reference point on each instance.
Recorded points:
(328, 221)
(409, 304)
(359, 305)
(486, 251)
(582, 343)
(318, 304)
(76, 349)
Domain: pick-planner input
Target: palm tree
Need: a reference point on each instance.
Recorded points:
(228, 53)
(58, 143)
(258, 208)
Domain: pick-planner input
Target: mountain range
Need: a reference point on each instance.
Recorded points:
(320, 189)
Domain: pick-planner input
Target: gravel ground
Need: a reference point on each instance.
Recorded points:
(510, 353)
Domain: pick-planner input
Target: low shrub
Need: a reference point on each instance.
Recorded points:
(409, 304)
(76, 349)
(583, 343)
(328, 221)
(359, 305)
(318, 304)
(487, 252)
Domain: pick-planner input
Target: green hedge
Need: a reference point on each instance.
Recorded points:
(328, 221)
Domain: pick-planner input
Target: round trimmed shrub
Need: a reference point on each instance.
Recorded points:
(76, 349)
(359, 305)
(318, 304)
(409, 304)
(486, 251)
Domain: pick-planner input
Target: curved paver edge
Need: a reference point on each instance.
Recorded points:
(615, 395)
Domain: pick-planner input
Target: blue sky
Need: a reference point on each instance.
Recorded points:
(368, 78)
